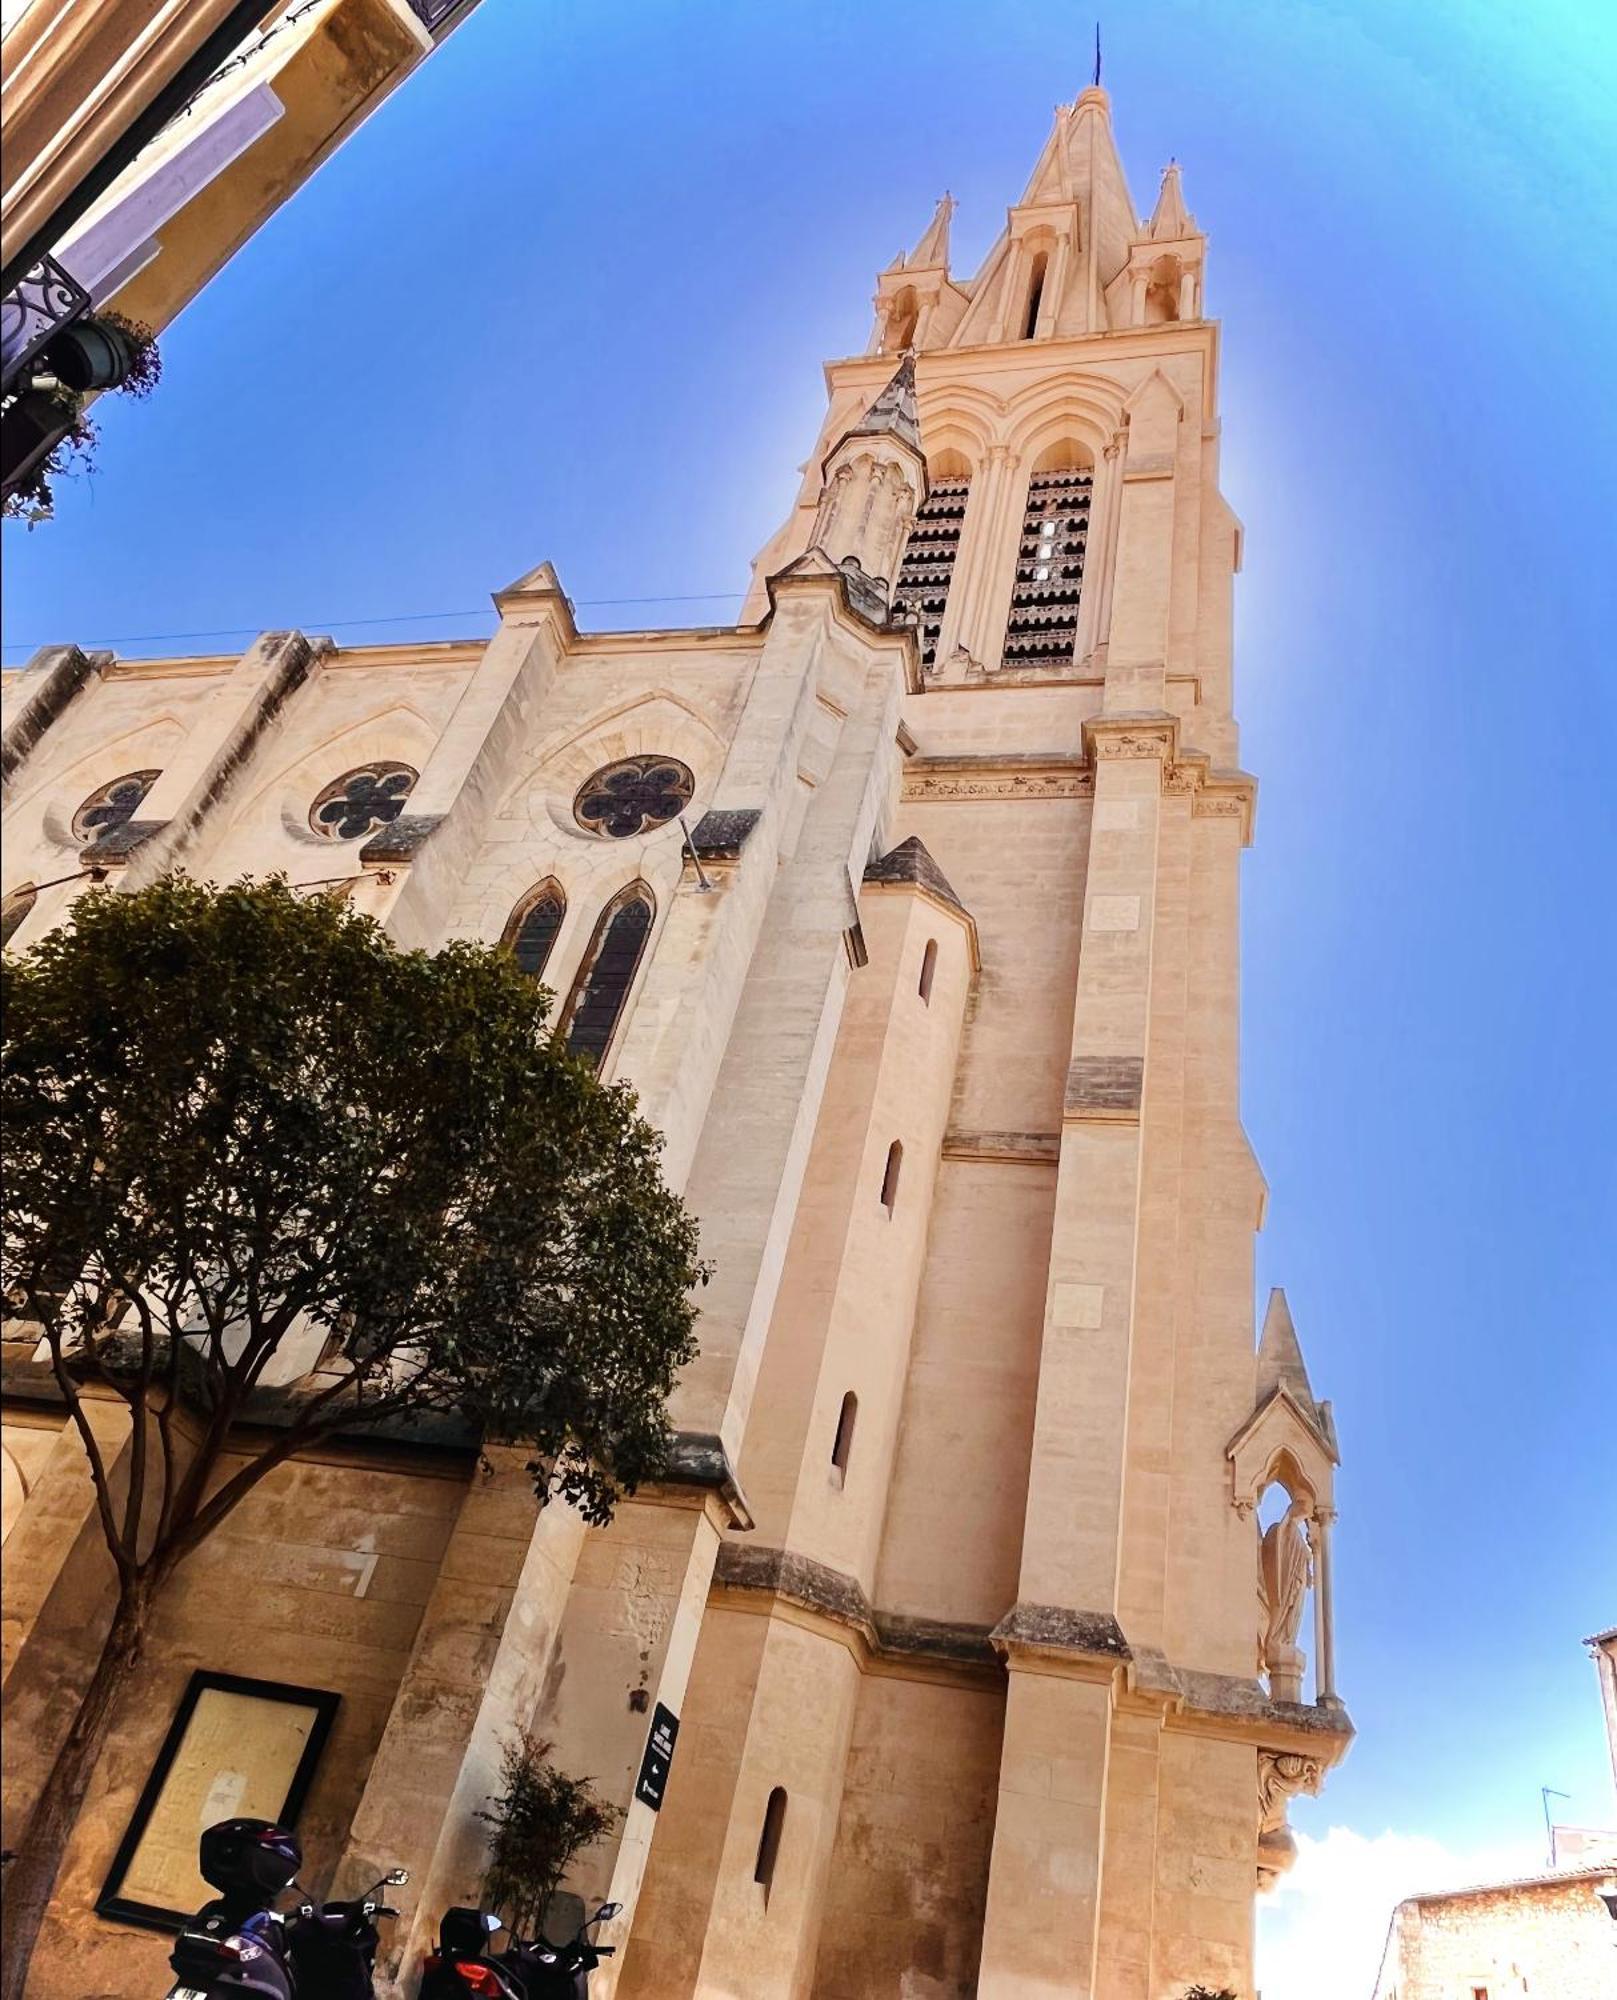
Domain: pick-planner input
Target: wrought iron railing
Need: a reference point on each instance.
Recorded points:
(44, 300)
(432, 14)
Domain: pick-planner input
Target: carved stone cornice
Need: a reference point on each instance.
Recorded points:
(1152, 733)
(1015, 777)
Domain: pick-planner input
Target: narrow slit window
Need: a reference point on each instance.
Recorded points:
(530, 936)
(889, 1179)
(842, 1443)
(769, 1839)
(1035, 296)
(601, 989)
(929, 965)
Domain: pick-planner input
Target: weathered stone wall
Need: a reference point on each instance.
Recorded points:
(318, 1580)
(1551, 1938)
(903, 1911)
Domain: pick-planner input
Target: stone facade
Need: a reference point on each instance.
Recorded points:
(1552, 1935)
(981, 1576)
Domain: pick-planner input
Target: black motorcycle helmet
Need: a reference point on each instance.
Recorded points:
(249, 1854)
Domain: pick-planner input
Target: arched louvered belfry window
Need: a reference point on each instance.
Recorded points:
(927, 570)
(597, 1000)
(530, 935)
(1042, 629)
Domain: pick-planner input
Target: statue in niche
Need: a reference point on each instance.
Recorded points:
(1285, 1572)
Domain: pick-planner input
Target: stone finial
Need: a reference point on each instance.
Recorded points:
(1170, 219)
(933, 248)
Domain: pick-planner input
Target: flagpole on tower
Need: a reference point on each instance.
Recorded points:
(1097, 55)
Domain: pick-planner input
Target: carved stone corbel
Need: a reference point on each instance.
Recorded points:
(1282, 1774)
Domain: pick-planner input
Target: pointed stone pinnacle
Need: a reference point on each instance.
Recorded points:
(1280, 1356)
(894, 411)
(933, 248)
(1170, 218)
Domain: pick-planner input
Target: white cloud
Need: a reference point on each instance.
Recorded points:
(1320, 1933)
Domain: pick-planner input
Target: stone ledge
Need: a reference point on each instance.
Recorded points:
(720, 834)
(1055, 1629)
(1210, 1694)
(814, 1586)
(119, 842)
(698, 1459)
(1024, 1148)
(401, 842)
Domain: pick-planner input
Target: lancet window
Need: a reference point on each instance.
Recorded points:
(1042, 629)
(1035, 296)
(602, 987)
(531, 933)
(842, 1444)
(929, 559)
(769, 1840)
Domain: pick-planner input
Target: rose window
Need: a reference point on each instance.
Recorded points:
(112, 805)
(360, 801)
(633, 796)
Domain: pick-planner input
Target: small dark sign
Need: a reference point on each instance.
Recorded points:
(659, 1755)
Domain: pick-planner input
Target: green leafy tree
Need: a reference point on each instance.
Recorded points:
(234, 1116)
(542, 1820)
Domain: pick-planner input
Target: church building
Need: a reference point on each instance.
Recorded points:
(981, 1631)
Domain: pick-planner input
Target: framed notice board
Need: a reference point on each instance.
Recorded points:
(236, 1748)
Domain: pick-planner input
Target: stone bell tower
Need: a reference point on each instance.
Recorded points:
(1063, 1766)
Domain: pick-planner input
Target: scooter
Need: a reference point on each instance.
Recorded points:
(235, 1947)
(240, 1947)
(464, 1966)
(560, 1971)
(333, 1948)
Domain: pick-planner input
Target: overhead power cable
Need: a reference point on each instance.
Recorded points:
(336, 624)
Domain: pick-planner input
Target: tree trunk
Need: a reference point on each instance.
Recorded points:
(31, 1878)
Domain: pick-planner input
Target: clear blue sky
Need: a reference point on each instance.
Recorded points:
(567, 295)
